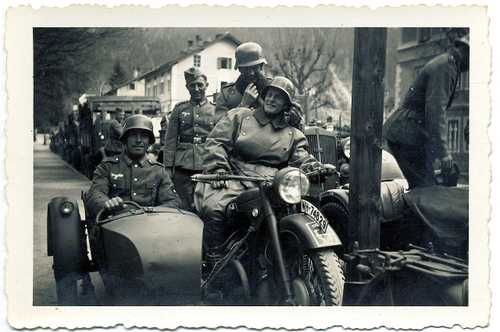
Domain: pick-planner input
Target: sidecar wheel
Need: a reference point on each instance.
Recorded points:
(66, 289)
(330, 277)
(338, 218)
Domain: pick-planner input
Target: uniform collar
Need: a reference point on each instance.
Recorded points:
(277, 122)
(129, 161)
(201, 103)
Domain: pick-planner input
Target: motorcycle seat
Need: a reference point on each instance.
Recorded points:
(445, 210)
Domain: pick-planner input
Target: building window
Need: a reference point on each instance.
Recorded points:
(224, 63)
(463, 81)
(408, 35)
(148, 91)
(453, 135)
(466, 134)
(424, 34)
(131, 86)
(197, 60)
(161, 86)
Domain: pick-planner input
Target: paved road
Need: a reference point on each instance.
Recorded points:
(52, 177)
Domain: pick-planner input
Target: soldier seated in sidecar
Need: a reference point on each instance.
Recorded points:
(136, 250)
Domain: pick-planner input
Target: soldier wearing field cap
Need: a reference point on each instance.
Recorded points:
(190, 123)
(131, 175)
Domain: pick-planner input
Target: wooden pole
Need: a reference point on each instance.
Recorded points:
(366, 132)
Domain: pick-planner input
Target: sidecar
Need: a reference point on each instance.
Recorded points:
(422, 258)
(139, 256)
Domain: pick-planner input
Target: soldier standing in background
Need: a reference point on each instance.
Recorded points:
(247, 90)
(416, 131)
(190, 123)
(113, 133)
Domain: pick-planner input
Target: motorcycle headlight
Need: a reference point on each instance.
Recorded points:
(291, 184)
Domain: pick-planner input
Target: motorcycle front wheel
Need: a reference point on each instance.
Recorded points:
(316, 276)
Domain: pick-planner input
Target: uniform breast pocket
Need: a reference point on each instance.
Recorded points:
(186, 122)
(148, 193)
(117, 186)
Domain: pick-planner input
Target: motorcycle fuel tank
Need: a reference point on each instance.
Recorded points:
(161, 249)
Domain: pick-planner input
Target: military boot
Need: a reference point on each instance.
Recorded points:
(214, 291)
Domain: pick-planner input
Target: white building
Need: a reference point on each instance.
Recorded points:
(215, 58)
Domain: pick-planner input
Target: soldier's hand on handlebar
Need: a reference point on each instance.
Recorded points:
(249, 96)
(330, 169)
(219, 184)
(113, 203)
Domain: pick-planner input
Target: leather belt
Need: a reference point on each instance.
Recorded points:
(192, 139)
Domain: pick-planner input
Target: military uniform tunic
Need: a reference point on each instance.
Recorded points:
(246, 142)
(230, 97)
(416, 131)
(144, 181)
(188, 128)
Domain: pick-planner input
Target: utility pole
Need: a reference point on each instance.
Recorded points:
(366, 136)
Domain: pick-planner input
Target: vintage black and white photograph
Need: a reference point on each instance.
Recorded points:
(252, 166)
(235, 166)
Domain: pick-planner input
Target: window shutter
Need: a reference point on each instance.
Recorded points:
(219, 64)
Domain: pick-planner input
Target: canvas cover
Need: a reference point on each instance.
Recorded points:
(445, 210)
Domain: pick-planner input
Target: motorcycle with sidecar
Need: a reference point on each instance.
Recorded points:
(282, 253)
(423, 253)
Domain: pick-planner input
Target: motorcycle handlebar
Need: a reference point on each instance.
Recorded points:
(226, 177)
(124, 205)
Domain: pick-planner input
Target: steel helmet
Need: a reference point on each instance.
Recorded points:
(283, 84)
(249, 54)
(138, 122)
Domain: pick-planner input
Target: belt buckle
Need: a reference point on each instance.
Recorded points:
(197, 140)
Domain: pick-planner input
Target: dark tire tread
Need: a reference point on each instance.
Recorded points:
(331, 275)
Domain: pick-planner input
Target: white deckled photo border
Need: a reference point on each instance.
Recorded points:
(19, 167)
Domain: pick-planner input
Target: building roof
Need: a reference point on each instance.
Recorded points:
(182, 55)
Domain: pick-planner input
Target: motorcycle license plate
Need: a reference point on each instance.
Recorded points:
(315, 214)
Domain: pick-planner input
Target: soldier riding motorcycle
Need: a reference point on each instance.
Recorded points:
(250, 142)
(280, 249)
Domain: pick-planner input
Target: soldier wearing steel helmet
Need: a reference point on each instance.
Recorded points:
(416, 132)
(247, 90)
(130, 175)
(247, 141)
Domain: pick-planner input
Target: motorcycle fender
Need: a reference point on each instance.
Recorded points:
(304, 227)
(65, 237)
(339, 195)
